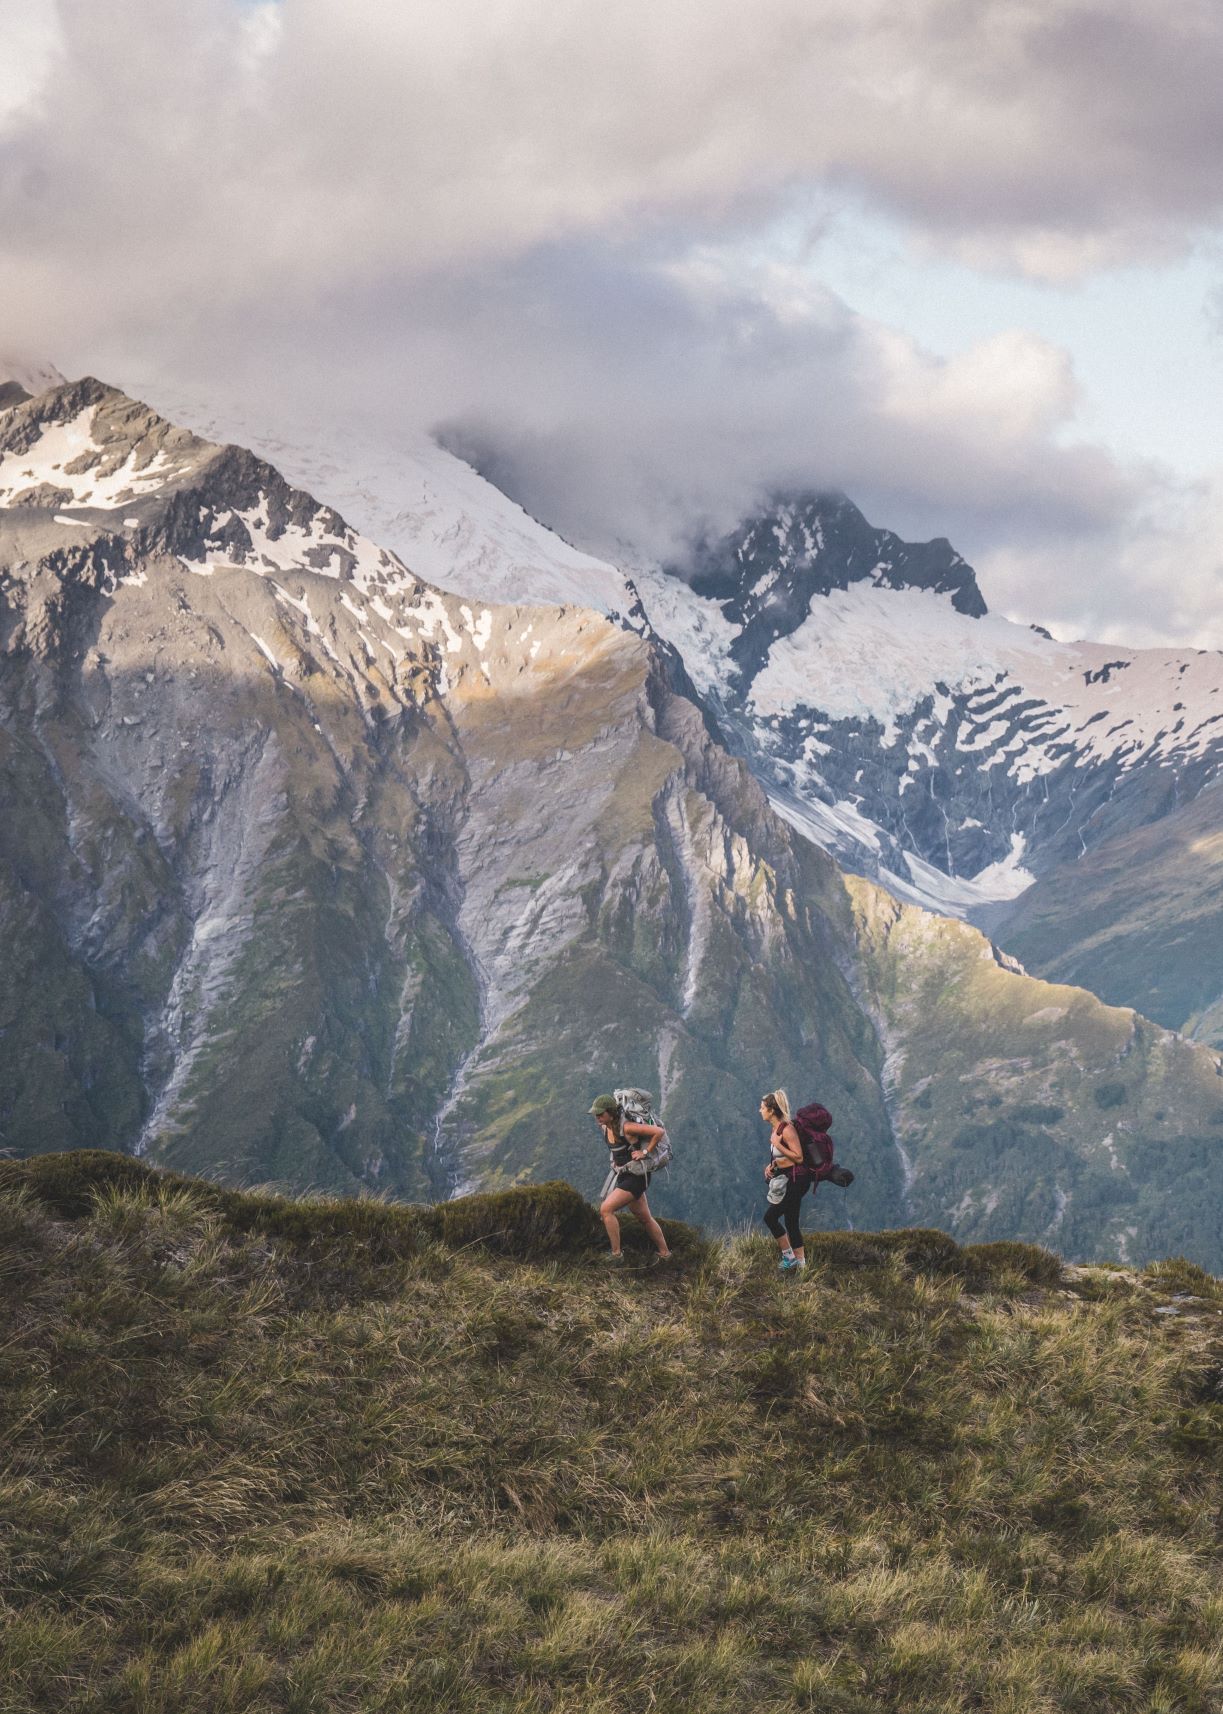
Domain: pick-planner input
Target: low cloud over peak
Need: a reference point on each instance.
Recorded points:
(550, 228)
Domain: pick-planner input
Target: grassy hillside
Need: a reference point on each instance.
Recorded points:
(276, 1456)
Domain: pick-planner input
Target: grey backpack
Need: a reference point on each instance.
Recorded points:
(637, 1106)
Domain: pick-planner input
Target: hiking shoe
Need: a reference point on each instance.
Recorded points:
(789, 1265)
(657, 1261)
(612, 1257)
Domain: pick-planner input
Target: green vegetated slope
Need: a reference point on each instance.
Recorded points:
(1049, 1113)
(265, 1456)
(1137, 920)
(1030, 1108)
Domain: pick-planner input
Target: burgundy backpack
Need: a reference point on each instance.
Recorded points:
(812, 1124)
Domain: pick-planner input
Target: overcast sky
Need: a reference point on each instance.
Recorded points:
(958, 258)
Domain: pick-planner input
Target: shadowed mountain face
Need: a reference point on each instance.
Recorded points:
(313, 874)
(1141, 913)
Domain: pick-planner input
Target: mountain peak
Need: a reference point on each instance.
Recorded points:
(85, 456)
(767, 573)
(810, 543)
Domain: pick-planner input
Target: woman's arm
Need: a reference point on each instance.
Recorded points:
(632, 1130)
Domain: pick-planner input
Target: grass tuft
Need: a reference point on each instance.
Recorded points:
(986, 1264)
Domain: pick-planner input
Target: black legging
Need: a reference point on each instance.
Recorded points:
(785, 1214)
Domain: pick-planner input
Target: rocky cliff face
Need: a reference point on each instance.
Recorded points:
(972, 765)
(324, 877)
(314, 874)
(210, 717)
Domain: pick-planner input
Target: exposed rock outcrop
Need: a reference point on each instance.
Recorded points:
(311, 873)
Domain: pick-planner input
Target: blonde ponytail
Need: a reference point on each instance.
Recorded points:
(779, 1102)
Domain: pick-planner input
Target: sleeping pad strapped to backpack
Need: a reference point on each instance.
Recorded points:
(812, 1124)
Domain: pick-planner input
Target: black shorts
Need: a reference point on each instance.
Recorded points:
(636, 1182)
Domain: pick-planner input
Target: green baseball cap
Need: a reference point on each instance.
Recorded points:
(602, 1104)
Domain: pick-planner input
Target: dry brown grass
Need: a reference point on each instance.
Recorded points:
(269, 1456)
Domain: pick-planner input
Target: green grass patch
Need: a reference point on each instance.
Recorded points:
(1176, 1275)
(986, 1264)
(527, 1222)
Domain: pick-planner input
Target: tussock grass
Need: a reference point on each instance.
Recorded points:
(260, 1456)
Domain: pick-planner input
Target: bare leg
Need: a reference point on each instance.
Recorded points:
(641, 1209)
(608, 1208)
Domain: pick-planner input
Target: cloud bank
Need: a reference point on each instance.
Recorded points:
(251, 138)
(549, 227)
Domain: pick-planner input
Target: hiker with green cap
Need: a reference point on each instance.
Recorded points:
(631, 1145)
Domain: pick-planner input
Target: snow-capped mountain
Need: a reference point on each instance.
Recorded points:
(1054, 793)
(312, 872)
(951, 752)
(427, 506)
(948, 752)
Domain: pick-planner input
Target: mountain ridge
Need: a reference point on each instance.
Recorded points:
(875, 780)
(337, 879)
(957, 763)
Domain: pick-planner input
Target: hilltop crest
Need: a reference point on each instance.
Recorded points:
(267, 1454)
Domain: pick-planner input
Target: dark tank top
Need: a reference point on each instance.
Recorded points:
(621, 1152)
